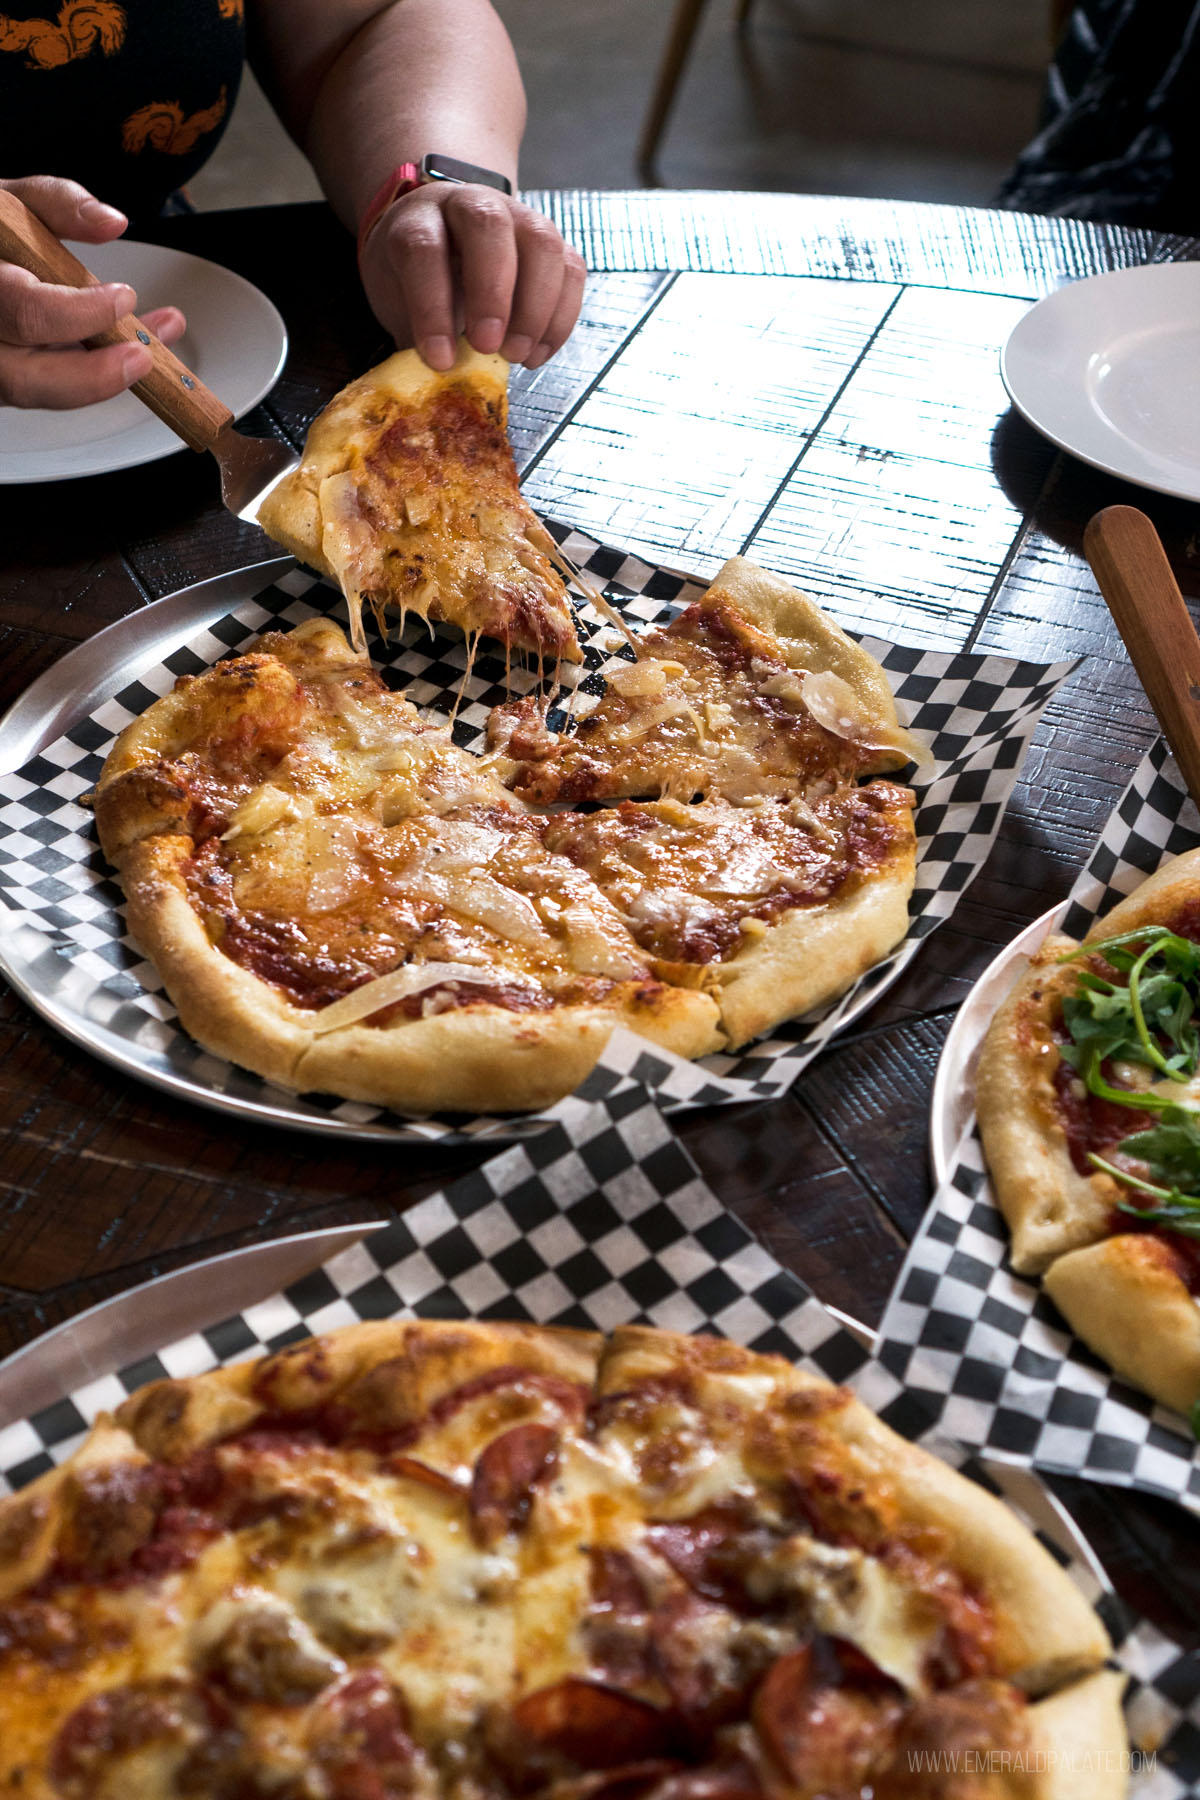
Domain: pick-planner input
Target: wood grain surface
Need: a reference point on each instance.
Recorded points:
(812, 381)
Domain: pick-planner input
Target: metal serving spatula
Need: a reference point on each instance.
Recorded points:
(249, 466)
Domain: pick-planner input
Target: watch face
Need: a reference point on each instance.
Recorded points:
(448, 168)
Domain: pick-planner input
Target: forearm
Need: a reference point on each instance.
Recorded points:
(362, 90)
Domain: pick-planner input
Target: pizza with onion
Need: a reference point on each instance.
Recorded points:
(340, 898)
(503, 1562)
(407, 496)
(1089, 1111)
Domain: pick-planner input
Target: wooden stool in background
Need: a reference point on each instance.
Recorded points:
(685, 23)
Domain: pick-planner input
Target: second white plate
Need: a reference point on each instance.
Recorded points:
(953, 1100)
(1109, 369)
(236, 342)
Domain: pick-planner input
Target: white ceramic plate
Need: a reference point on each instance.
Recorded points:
(1109, 369)
(953, 1100)
(235, 342)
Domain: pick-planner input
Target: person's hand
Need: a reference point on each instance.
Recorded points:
(446, 259)
(43, 360)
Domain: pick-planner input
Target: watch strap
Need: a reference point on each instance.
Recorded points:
(402, 179)
(433, 167)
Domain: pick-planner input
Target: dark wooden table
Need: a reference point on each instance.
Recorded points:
(812, 381)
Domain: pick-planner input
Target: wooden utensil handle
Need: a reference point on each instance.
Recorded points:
(171, 390)
(1136, 579)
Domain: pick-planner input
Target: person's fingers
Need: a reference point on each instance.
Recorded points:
(562, 319)
(68, 209)
(540, 252)
(166, 322)
(34, 312)
(420, 300)
(449, 259)
(68, 377)
(479, 224)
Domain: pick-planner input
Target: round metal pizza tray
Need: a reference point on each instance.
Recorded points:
(58, 701)
(953, 1103)
(64, 944)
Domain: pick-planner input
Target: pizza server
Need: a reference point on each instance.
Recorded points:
(249, 466)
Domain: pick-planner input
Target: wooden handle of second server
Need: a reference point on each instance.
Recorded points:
(171, 390)
(1137, 581)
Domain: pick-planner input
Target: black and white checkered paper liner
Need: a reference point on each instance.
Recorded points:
(603, 1219)
(66, 921)
(983, 1347)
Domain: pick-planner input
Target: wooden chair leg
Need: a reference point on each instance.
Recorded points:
(684, 25)
(1060, 12)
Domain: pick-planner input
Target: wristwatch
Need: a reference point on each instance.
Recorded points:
(434, 167)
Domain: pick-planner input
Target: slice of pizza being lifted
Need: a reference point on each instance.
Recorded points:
(407, 496)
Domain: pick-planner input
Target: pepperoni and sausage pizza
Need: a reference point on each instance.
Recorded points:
(442, 1561)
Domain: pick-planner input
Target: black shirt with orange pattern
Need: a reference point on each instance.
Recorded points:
(130, 97)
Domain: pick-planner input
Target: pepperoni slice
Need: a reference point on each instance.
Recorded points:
(592, 1726)
(711, 1550)
(821, 1733)
(707, 1661)
(730, 1779)
(617, 1627)
(624, 1783)
(361, 1739)
(617, 1588)
(506, 1476)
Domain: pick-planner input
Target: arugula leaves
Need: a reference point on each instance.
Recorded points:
(1149, 1019)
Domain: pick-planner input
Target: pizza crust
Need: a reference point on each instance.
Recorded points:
(1049, 1206)
(485, 1059)
(416, 1360)
(1127, 1300)
(1171, 889)
(1079, 1749)
(813, 953)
